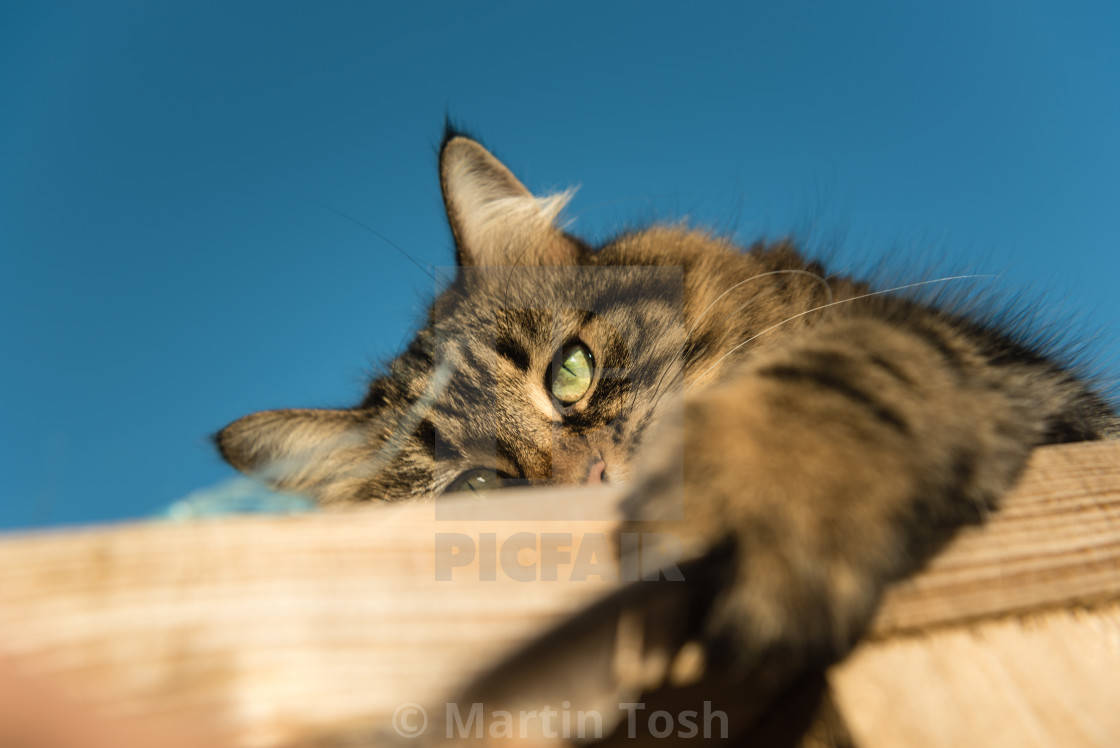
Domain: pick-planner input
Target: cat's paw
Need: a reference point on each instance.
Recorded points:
(808, 540)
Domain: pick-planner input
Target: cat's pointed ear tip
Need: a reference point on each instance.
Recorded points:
(228, 442)
(462, 148)
(456, 136)
(240, 441)
(451, 130)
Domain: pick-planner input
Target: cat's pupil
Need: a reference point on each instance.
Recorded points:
(477, 480)
(572, 377)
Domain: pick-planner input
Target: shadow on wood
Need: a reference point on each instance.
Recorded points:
(270, 630)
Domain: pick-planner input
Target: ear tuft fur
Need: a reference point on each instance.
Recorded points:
(495, 220)
(306, 451)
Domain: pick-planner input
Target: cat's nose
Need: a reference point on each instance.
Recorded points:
(595, 474)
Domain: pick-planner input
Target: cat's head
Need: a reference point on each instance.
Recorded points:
(541, 362)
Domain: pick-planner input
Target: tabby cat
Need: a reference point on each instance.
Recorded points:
(823, 435)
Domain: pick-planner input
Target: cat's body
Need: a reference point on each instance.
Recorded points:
(826, 436)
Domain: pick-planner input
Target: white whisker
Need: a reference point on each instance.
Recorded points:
(657, 390)
(812, 275)
(825, 306)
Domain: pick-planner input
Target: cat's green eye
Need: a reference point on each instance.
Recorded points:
(477, 481)
(571, 377)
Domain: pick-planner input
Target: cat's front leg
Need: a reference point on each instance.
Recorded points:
(827, 468)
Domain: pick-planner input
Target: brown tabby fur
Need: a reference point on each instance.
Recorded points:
(826, 456)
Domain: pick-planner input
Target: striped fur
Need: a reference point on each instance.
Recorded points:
(829, 437)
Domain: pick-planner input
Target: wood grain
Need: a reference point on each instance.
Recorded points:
(1054, 543)
(275, 627)
(1047, 679)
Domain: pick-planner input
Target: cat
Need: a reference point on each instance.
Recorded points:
(814, 435)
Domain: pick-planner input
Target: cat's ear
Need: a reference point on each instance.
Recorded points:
(308, 451)
(494, 218)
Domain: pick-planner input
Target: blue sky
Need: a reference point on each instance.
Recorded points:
(167, 263)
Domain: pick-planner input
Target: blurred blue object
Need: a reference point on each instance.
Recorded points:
(235, 496)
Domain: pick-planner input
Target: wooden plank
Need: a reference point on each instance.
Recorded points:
(276, 627)
(1037, 681)
(1054, 543)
